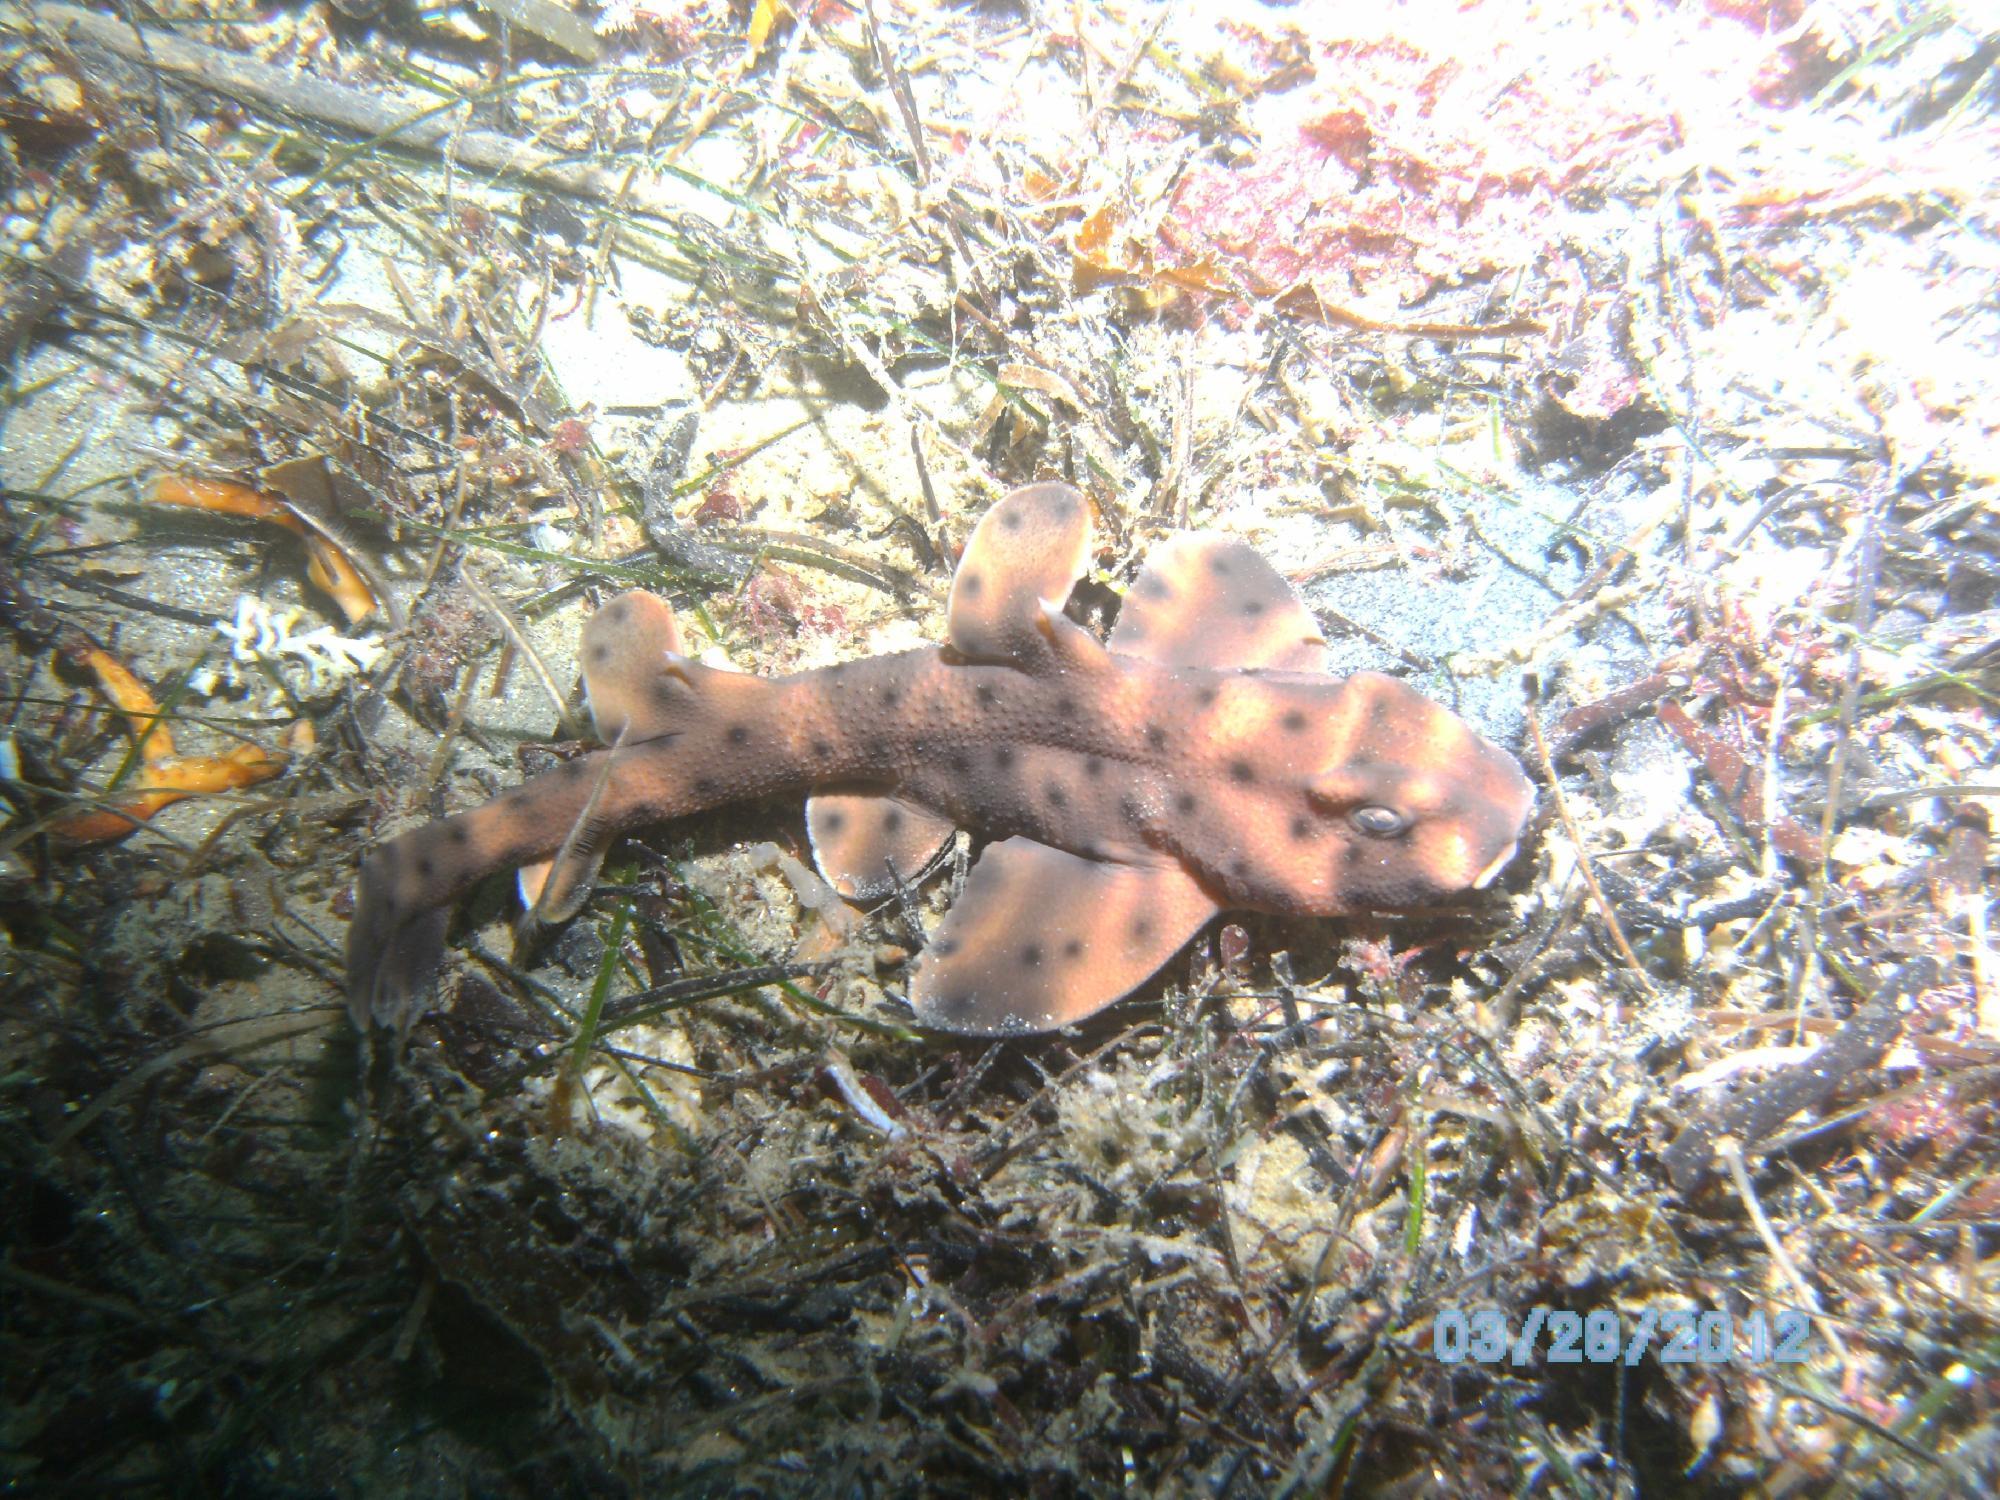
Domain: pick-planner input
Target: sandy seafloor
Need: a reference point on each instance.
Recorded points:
(1639, 354)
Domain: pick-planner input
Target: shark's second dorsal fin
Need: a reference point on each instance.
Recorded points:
(634, 668)
(1026, 552)
(1204, 600)
(635, 678)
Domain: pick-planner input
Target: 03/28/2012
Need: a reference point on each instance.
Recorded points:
(1707, 1336)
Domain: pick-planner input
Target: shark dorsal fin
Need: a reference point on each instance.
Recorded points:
(1024, 556)
(1204, 600)
(634, 668)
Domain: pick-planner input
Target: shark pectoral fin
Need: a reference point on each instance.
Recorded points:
(1040, 938)
(531, 880)
(865, 844)
(1204, 600)
(1032, 546)
(562, 884)
(634, 670)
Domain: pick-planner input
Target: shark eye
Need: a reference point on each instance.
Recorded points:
(1377, 821)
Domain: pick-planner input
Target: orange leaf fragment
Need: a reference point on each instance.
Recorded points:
(107, 824)
(228, 498)
(331, 571)
(132, 698)
(1039, 185)
(189, 775)
(164, 777)
(764, 18)
(327, 562)
(162, 783)
(1106, 251)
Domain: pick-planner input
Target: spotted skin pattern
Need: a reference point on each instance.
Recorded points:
(1200, 760)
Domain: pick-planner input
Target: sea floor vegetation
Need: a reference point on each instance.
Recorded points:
(1621, 375)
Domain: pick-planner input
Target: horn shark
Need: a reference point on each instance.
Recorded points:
(1200, 759)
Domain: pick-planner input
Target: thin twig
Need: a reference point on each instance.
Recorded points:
(899, 90)
(1731, 1151)
(519, 637)
(1582, 855)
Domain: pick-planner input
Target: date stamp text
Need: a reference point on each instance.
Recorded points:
(1686, 1336)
